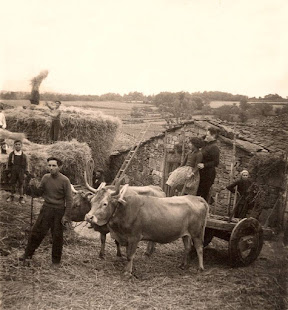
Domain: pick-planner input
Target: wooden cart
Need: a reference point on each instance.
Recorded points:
(245, 237)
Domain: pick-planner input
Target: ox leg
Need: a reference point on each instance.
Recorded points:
(198, 244)
(150, 248)
(187, 250)
(131, 250)
(103, 241)
(118, 248)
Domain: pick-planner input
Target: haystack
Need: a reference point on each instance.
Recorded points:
(73, 154)
(85, 125)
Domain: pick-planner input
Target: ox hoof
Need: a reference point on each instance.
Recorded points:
(184, 266)
(102, 256)
(127, 275)
(200, 269)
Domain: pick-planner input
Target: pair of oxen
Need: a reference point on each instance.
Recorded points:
(135, 213)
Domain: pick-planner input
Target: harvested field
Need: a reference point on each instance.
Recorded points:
(86, 282)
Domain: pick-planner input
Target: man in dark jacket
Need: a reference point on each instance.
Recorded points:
(17, 167)
(211, 155)
(55, 188)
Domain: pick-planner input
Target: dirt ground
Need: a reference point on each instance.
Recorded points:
(84, 281)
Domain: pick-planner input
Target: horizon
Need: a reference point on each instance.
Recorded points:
(73, 94)
(150, 47)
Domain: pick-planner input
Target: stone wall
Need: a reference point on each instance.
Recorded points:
(153, 162)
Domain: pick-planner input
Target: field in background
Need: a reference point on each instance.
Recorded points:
(131, 129)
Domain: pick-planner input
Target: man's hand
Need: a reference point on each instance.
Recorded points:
(200, 166)
(66, 222)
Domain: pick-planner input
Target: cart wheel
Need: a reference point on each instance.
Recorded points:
(209, 234)
(245, 242)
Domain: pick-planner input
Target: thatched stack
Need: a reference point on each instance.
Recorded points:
(73, 154)
(90, 126)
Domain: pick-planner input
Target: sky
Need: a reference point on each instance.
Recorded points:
(120, 46)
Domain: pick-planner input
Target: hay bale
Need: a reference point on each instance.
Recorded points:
(73, 154)
(93, 127)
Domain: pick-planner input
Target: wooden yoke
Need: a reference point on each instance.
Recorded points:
(232, 172)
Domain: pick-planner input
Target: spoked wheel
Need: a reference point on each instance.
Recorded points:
(245, 242)
(209, 234)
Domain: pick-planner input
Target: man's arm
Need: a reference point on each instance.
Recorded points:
(215, 154)
(68, 199)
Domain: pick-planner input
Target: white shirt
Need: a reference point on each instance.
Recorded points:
(2, 120)
(18, 153)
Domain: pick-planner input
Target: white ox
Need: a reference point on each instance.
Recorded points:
(131, 218)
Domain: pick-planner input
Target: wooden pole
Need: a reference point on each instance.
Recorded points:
(232, 169)
(234, 203)
(164, 163)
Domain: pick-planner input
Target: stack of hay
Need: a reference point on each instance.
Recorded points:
(84, 125)
(73, 154)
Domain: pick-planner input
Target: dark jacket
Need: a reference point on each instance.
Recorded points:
(211, 157)
(23, 164)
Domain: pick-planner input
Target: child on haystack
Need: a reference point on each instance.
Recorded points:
(17, 167)
(187, 175)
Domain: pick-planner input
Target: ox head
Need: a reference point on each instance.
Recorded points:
(104, 203)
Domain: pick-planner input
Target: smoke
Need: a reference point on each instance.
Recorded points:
(35, 82)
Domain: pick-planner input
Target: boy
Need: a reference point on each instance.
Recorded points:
(17, 167)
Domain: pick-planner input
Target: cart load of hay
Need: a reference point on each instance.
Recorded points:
(85, 125)
(73, 154)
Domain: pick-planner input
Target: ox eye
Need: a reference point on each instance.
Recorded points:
(104, 204)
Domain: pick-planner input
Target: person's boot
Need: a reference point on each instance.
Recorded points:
(24, 256)
(10, 198)
(21, 200)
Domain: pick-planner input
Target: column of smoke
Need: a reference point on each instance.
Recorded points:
(35, 82)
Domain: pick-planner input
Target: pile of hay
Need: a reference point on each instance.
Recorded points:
(85, 125)
(73, 154)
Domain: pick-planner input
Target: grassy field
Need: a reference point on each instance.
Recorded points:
(86, 282)
(115, 108)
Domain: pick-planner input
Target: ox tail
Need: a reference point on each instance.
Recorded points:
(206, 217)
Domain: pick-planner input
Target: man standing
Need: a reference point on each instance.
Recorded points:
(55, 188)
(56, 120)
(211, 156)
(2, 117)
(17, 167)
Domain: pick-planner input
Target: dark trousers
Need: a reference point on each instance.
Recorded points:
(49, 218)
(207, 178)
(17, 176)
(55, 129)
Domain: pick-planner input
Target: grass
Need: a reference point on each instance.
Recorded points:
(86, 282)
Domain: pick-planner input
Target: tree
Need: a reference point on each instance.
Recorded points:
(261, 108)
(244, 105)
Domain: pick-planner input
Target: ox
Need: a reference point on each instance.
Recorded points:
(82, 205)
(131, 218)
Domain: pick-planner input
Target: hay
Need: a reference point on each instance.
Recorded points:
(93, 127)
(73, 154)
(6, 134)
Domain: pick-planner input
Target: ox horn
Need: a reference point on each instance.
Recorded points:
(122, 194)
(93, 190)
(73, 189)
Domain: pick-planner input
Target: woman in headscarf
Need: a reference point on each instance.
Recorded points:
(243, 186)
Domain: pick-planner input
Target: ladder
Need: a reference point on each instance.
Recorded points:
(130, 155)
